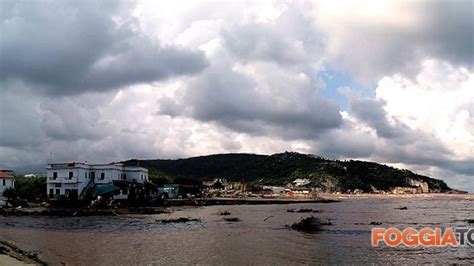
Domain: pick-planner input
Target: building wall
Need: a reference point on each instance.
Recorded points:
(63, 182)
(136, 174)
(82, 174)
(8, 183)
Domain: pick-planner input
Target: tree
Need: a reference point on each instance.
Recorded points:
(11, 194)
(31, 188)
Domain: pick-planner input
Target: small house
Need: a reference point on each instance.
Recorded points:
(7, 180)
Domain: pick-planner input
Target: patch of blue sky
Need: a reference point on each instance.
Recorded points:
(336, 79)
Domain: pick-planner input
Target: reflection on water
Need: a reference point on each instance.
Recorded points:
(259, 238)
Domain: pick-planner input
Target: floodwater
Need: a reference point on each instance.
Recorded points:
(261, 237)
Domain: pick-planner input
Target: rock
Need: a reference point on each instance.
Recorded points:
(225, 213)
(179, 220)
(402, 208)
(309, 225)
(232, 219)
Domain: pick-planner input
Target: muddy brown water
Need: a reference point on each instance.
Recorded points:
(260, 237)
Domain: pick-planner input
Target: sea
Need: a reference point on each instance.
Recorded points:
(261, 236)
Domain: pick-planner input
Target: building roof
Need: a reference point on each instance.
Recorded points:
(6, 175)
(102, 166)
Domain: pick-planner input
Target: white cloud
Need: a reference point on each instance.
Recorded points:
(439, 102)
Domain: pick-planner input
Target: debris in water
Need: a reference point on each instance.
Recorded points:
(268, 218)
(375, 223)
(179, 220)
(232, 219)
(309, 225)
(225, 213)
(470, 221)
(303, 210)
(402, 208)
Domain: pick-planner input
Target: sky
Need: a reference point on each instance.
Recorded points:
(102, 81)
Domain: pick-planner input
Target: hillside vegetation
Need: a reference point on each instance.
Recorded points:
(282, 168)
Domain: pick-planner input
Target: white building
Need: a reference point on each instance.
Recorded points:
(299, 182)
(72, 178)
(7, 180)
(276, 191)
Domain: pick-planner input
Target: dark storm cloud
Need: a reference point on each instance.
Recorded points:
(345, 143)
(80, 123)
(450, 30)
(371, 49)
(290, 40)
(279, 97)
(239, 103)
(371, 111)
(65, 48)
(19, 119)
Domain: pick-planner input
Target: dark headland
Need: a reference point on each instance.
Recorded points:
(329, 176)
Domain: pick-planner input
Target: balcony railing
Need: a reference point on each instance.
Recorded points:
(62, 180)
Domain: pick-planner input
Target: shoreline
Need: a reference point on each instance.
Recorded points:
(397, 196)
(244, 201)
(66, 211)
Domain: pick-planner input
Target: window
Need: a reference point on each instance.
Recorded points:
(51, 192)
(92, 175)
(71, 174)
(142, 177)
(55, 175)
(4, 182)
(57, 192)
(58, 185)
(102, 176)
(124, 176)
(85, 175)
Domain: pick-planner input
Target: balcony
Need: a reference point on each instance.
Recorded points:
(62, 180)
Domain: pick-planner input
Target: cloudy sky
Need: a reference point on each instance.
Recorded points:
(387, 81)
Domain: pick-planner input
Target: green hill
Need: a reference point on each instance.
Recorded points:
(283, 168)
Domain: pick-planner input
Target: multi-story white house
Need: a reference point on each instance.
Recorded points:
(7, 180)
(73, 178)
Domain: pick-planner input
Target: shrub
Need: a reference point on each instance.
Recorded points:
(10, 193)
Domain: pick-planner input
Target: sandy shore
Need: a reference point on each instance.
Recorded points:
(245, 201)
(398, 196)
(7, 260)
(10, 254)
